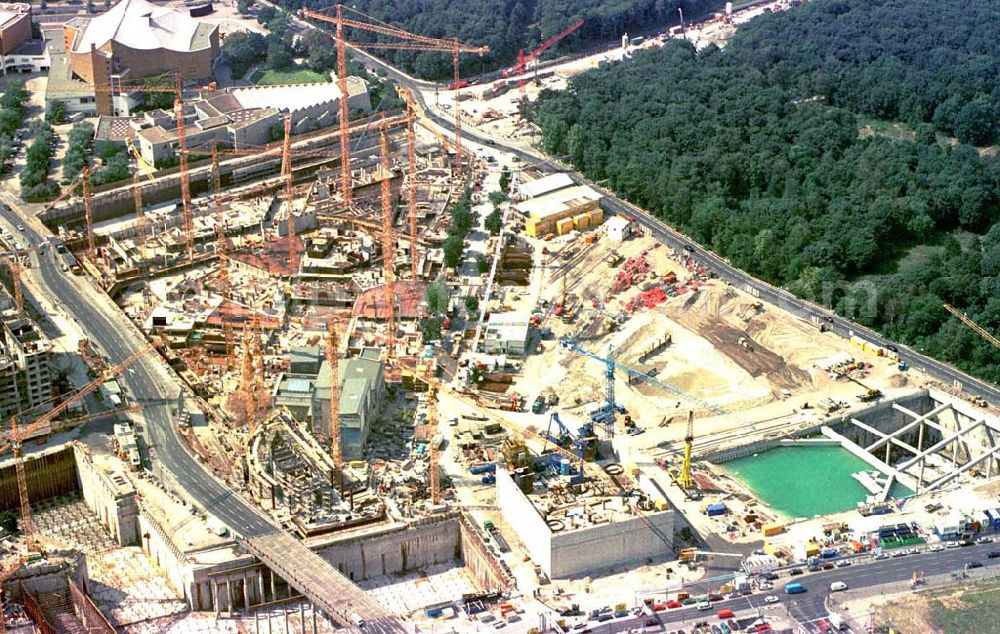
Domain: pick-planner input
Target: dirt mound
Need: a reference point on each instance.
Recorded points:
(754, 358)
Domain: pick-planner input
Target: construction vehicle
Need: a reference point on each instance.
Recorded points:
(747, 311)
(745, 344)
(584, 441)
(614, 258)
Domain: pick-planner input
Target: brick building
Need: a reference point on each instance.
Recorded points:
(137, 40)
(15, 25)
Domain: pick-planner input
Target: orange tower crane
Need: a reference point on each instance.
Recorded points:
(187, 220)
(411, 186)
(14, 267)
(140, 217)
(334, 364)
(286, 171)
(434, 468)
(17, 434)
(412, 42)
(248, 389)
(388, 241)
(411, 171)
(222, 250)
(88, 211)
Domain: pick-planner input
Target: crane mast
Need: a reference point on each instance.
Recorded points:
(388, 241)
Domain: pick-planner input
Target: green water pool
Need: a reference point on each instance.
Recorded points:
(805, 481)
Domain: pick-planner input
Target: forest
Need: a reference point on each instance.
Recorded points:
(800, 186)
(507, 25)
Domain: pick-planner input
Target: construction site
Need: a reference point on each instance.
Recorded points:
(570, 413)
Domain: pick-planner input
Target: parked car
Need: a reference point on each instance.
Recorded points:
(973, 564)
(771, 599)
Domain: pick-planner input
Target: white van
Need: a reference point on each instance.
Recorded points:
(837, 586)
(358, 621)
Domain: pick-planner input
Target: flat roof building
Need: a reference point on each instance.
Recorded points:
(507, 333)
(573, 527)
(562, 211)
(546, 185)
(15, 26)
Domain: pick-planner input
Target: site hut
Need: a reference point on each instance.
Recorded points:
(618, 228)
(507, 333)
(574, 208)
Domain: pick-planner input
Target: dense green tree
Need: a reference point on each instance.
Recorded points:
(242, 50)
(244, 6)
(507, 26)
(57, 113)
(266, 13)
(279, 56)
(471, 304)
(436, 297)
(755, 152)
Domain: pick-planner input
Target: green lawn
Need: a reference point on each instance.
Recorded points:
(970, 607)
(297, 76)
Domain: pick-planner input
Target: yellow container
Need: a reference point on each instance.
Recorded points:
(564, 226)
(582, 221)
(772, 529)
(596, 217)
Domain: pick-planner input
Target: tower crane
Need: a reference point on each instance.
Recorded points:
(524, 60)
(979, 330)
(176, 89)
(286, 172)
(18, 433)
(683, 478)
(334, 364)
(606, 414)
(412, 42)
(388, 242)
(411, 174)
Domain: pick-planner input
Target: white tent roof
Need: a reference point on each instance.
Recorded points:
(140, 25)
(291, 96)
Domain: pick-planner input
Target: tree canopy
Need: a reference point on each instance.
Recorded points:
(507, 26)
(750, 158)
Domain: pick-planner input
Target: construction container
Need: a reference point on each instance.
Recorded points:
(582, 221)
(596, 217)
(565, 468)
(564, 226)
(716, 509)
(772, 529)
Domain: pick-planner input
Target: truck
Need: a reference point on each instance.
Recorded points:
(794, 588)
(539, 405)
(836, 621)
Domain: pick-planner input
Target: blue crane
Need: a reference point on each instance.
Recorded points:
(605, 415)
(583, 440)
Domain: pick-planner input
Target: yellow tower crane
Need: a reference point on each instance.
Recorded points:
(684, 479)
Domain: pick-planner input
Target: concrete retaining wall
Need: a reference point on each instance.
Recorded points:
(398, 550)
(48, 474)
(601, 547)
(531, 529)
